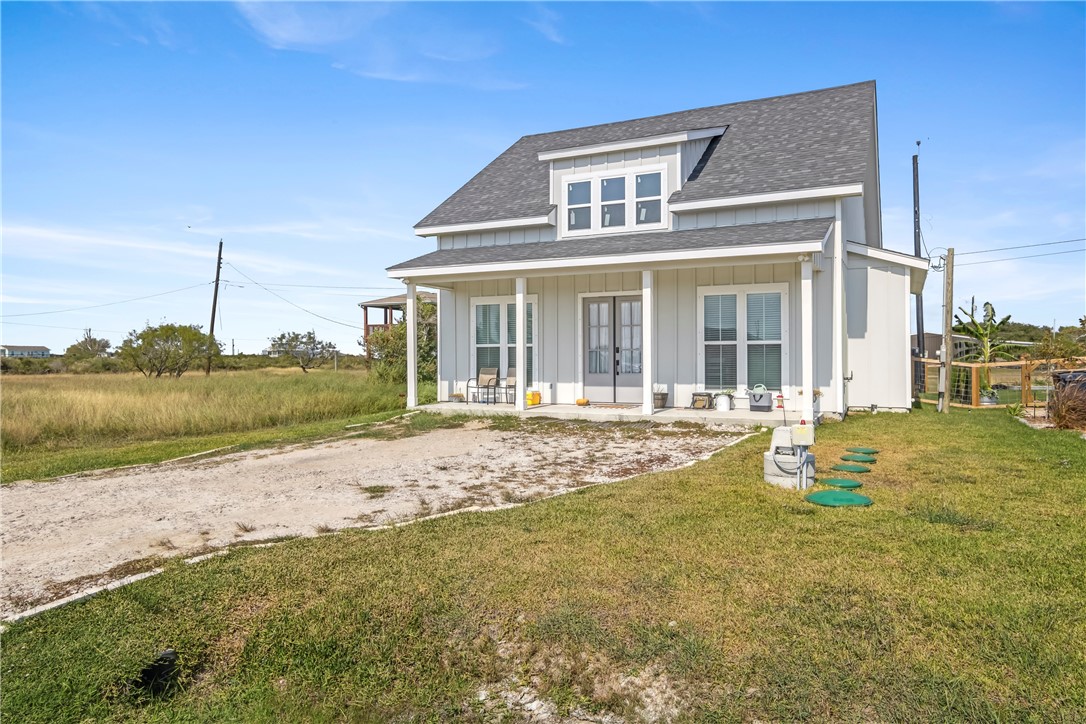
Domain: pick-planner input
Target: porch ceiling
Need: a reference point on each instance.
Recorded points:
(621, 248)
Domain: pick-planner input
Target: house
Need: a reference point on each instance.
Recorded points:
(717, 248)
(15, 350)
(389, 306)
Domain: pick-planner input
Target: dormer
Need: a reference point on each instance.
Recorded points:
(622, 186)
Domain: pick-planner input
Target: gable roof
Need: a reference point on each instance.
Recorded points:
(615, 246)
(807, 140)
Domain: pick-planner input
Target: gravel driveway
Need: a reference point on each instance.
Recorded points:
(81, 531)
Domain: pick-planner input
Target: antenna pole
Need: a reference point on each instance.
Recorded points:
(918, 367)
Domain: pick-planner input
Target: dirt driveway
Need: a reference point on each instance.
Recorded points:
(77, 532)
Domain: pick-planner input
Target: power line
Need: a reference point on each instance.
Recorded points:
(329, 286)
(1030, 256)
(53, 326)
(1022, 246)
(297, 306)
(108, 304)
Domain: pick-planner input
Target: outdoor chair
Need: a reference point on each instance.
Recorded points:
(484, 388)
(508, 387)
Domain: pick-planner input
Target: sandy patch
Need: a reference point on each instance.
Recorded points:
(68, 535)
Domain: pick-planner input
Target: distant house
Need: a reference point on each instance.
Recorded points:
(16, 350)
(722, 248)
(390, 307)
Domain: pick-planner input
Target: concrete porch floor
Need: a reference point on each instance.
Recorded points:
(613, 414)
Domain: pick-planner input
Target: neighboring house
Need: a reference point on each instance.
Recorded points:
(711, 249)
(15, 350)
(389, 307)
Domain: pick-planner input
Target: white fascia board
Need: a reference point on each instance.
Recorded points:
(645, 142)
(775, 197)
(547, 220)
(918, 268)
(647, 259)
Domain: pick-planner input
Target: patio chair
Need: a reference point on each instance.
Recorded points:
(508, 386)
(484, 388)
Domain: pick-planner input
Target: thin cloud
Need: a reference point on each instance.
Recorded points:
(309, 26)
(546, 22)
(398, 44)
(82, 248)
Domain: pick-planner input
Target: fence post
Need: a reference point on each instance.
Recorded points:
(1027, 384)
(974, 385)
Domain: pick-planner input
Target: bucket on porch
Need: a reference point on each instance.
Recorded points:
(659, 399)
(532, 398)
(760, 399)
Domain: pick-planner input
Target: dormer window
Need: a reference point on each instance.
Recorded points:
(613, 201)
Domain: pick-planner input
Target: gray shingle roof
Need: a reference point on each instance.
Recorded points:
(778, 232)
(807, 140)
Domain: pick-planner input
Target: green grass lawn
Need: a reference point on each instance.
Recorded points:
(959, 595)
(54, 425)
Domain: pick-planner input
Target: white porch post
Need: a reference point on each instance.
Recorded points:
(412, 347)
(806, 311)
(648, 343)
(520, 403)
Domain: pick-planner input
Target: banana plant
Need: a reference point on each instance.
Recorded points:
(987, 333)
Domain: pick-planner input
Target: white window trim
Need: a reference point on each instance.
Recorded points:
(503, 334)
(741, 292)
(596, 229)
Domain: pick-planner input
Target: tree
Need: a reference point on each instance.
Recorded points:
(168, 349)
(988, 334)
(388, 347)
(305, 348)
(88, 347)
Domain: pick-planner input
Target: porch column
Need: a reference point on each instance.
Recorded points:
(412, 347)
(806, 313)
(519, 402)
(647, 342)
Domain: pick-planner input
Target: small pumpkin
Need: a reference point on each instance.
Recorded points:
(582, 402)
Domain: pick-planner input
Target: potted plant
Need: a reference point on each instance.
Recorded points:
(456, 397)
(659, 396)
(725, 400)
(986, 333)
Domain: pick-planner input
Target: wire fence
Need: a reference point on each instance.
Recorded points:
(998, 384)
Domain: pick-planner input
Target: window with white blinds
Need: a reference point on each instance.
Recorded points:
(742, 337)
(511, 327)
(721, 342)
(494, 335)
(764, 340)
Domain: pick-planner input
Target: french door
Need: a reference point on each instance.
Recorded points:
(612, 344)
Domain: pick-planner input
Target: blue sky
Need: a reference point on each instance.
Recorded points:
(311, 137)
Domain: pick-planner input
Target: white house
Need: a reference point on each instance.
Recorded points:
(711, 249)
(18, 350)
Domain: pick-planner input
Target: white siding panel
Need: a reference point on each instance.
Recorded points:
(686, 350)
(877, 299)
(566, 340)
(447, 345)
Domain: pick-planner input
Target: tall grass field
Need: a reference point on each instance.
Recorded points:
(53, 424)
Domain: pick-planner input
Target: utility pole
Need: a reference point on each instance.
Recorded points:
(214, 305)
(947, 352)
(918, 367)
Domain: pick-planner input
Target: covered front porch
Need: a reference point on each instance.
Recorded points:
(615, 413)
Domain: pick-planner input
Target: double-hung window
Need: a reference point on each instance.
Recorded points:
(494, 335)
(613, 201)
(743, 337)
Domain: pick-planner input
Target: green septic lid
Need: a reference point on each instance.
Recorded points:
(837, 498)
(864, 450)
(859, 458)
(842, 483)
(851, 468)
